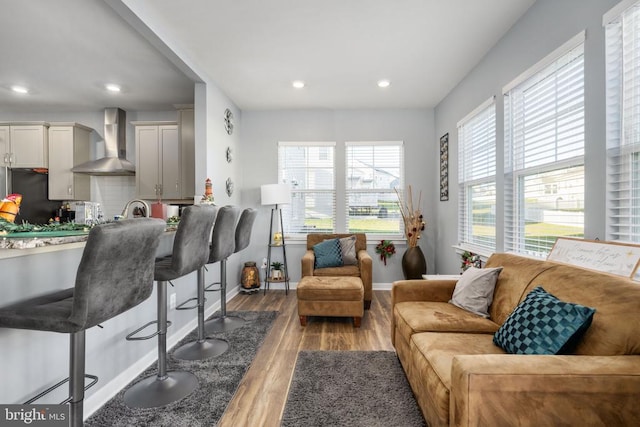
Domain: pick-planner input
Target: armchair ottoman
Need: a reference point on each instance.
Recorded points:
(330, 296)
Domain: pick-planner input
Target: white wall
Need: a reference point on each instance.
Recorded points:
(261, 131)
(546, 26)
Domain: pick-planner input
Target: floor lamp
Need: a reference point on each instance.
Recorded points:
(276, 194)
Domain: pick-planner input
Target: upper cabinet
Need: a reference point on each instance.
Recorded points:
(69, 146)
(24, 145)
(158, 161)
(165, 158)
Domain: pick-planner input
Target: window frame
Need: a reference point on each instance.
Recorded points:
(622, 70)
(287, 209)
(392, 191)
(466, 185)
(517, 165)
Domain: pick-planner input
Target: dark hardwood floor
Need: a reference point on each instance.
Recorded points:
(261, 396)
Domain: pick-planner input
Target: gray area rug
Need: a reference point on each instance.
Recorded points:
(350, 388)
(218, 380)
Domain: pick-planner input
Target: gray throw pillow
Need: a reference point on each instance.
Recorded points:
(348, 248)
(474, 290)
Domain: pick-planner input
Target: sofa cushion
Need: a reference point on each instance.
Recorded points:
(432, 356)
(512, 286)
(425, 316)
(348, 250)
(542, 324)
(330, 289)
(328, 254)
(474, 290)
(614, 330)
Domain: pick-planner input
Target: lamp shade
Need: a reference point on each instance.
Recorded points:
(275, 194)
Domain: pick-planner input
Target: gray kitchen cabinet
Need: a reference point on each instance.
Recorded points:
(187, 147)
(69, 146)
(24, 145)
(158, 160)
(5, 147)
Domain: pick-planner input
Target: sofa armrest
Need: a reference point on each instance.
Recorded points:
(365, 264)
(418, 290)
(422, 290)
(544, 390)
(308, 260)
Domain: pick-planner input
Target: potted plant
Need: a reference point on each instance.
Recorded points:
(276, 270)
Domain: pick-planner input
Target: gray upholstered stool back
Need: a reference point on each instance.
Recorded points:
(114, 275)
(116, 269)
(243, 230)
(191, 244)
(223, 241)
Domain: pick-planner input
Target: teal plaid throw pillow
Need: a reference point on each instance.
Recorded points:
(328, 254)
(542, 324)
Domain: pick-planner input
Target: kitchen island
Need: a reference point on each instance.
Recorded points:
(31, 361)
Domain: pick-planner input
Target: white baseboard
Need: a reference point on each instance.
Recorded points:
(109, 390)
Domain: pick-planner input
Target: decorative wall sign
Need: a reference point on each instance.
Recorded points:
(228, 121)
(229, 155)
(620, 259)
(229, 186)
(444, 167)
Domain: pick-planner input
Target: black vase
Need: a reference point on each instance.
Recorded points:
(413, 263)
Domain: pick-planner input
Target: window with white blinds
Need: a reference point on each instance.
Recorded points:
(544, 152)
(477, 177)
(623, 122)
(308, 168)
(373, 171)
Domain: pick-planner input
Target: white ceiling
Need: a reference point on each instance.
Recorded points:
(67, 49)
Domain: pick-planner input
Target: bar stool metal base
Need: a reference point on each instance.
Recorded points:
(200, 350)
(154, 391)
(223, 324)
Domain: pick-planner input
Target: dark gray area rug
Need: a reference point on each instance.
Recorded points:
(218, 380)
(350, 388)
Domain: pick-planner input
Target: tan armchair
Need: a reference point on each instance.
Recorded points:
(363, 269)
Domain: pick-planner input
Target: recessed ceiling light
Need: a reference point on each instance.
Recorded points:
(383, 83)
(112, 87)
(298, 84)
(19, 89)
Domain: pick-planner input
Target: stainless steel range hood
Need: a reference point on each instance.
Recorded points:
(115, 160)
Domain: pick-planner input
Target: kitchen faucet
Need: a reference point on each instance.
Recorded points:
(125, 211)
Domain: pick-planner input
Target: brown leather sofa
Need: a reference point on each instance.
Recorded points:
(363, 269)
(459, 377)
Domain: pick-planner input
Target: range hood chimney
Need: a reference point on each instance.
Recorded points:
(115, 160)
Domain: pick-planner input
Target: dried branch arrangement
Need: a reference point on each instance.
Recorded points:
(413, 220)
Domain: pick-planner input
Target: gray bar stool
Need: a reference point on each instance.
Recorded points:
(190, 252)
(203, 347)
(110, 279)
(222, 246)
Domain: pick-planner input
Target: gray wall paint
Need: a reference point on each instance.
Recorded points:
(261, 131)
(547, 25)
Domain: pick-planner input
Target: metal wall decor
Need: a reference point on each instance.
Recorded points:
(229, 187)
(229, 155)
(228, 121)
(444, 167)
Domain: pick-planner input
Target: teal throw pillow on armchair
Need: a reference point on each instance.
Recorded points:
(328, 254)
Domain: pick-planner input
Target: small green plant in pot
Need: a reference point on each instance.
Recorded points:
(276, 270)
